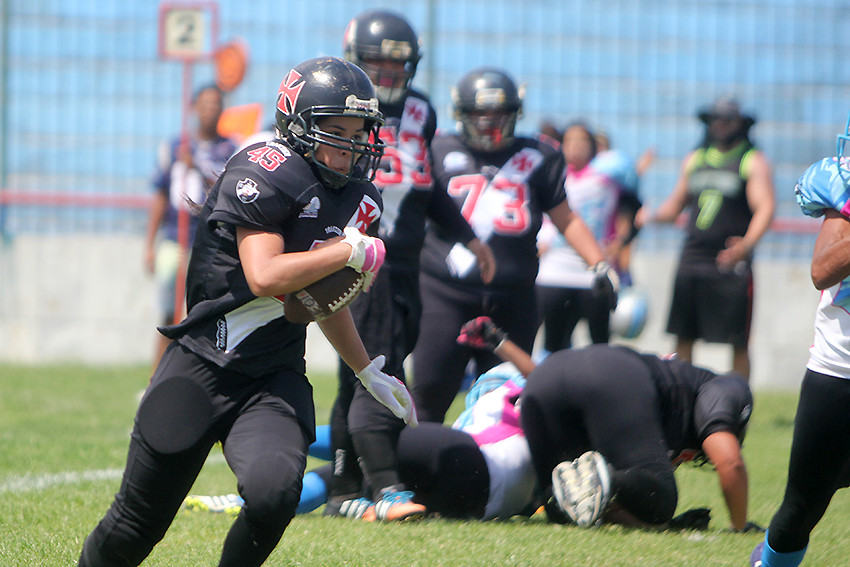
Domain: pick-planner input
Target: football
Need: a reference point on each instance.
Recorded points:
(323, 298)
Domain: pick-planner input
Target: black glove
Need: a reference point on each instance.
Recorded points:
(481, 333)
(606, 283)
(694, 519)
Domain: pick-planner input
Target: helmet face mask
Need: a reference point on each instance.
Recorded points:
(487, 105)
(391, 82)
(385, 46)
(842, 157)
(488, 131)
(318, 90)
(365, 155)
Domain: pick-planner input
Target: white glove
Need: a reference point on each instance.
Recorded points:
(367, 252)
(389, 391)
(606, 283)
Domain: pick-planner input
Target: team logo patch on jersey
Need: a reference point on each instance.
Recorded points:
(455, 161)
(367, 213)
(311, 210)
(247, 190)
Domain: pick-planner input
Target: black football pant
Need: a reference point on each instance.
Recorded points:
(439, 362)
(364, 432)
(561, 308)
(820, 460)
(444, 467)
(604, 399)
(188, 406)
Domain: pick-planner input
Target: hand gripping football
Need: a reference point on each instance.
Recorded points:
(323, 298)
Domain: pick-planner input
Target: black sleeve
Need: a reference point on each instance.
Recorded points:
(430, 126)
(629, 205)
(629, 202)
(443, 211)
(247, 198)
(548, 181)
(723, 404)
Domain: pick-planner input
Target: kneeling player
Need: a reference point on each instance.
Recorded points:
(606, 427)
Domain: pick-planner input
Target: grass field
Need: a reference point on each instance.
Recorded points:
(63, 440)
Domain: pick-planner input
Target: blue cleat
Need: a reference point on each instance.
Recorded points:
(755, 556)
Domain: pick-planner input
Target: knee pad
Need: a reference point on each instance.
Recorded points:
(174, 415)
(648, 494)
(272, 490)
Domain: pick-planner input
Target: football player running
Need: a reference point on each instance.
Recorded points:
(235, 371)
(502, 184)
(820, 450)
(364, 434)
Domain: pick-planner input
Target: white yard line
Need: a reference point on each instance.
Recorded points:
(30, 482)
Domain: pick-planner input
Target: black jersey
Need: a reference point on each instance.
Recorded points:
(503, 195)
(267, 187)
(405, 182)
(717, 192)
(695, 403)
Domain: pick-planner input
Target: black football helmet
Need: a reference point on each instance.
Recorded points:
(379, 35)
(322, 87)
(486, 104)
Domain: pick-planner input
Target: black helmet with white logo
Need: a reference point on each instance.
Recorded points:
(324, 87)
(486, 104)
(379, 35)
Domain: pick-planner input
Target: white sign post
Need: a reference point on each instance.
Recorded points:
(187, 32)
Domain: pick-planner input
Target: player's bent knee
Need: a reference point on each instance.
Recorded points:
(649, 495)
(272, 490)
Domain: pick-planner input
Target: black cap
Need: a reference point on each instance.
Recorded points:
(726, 107)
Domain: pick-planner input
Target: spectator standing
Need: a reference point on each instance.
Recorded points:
(187, 168)
(727, 184)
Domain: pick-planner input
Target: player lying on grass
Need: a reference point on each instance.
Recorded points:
(450, 469)
(606, 427)
(478, 469)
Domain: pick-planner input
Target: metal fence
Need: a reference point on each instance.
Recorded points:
(84, 98)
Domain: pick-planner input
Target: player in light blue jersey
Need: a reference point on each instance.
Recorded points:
(820, 451)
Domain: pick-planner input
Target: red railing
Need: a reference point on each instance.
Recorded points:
(15, 197)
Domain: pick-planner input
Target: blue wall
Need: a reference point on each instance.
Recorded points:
(86, 99)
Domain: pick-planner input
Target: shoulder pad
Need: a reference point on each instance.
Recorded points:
(618, 167)
(822, 187)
